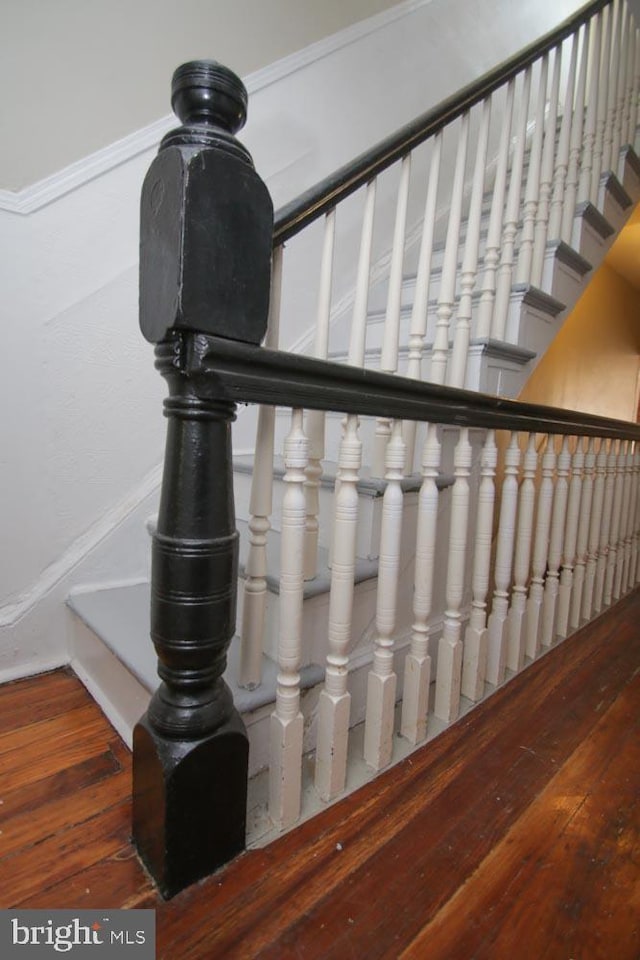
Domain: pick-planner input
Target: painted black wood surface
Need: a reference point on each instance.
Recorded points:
(205, 261)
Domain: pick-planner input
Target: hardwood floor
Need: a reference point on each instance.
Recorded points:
(516, 834)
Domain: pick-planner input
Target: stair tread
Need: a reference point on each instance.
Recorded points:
(119, 616)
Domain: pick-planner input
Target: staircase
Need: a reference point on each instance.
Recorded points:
(476, 282)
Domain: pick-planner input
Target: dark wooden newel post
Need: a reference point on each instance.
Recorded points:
(205, 255)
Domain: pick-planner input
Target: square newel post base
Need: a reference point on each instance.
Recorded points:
(189, 802)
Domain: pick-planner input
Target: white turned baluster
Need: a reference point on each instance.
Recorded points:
(575, 145)
(620, 65)
(634, 519)
(540, 553)
(391, 336)
(418, 327)
(562, 157)
(605, 528)
(450, 261)
(512, 215)
(497, 650)
(628, 88)
(570, 542)
(316, 418)
(361, 301)
(586, 502)
(616, 515)
(516, 635)
(476, 638)
(546, 174)
(552, 584)
(635, 550)
(525, 254)
(612, 80)
(590, 121)
(635, 101)
(285, 770)
(602, 100)
(381, 686)
(494, 230)
(335, 701)
(254, 602)
(595, 530)
(417, 670)
(449, 672)
(457, 369)
(635, 86)
(624, 550)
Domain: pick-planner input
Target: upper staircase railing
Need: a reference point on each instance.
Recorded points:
(565, 531)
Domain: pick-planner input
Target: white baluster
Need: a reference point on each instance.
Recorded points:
(497, 652)
(616, 515)
(421, 298)
(590, 121)
(316, 418)
(635, 102)
(516, 635)
(635, 86)
(457, 369)
(449, 672)
(582, 545)
(540, 553)
(624, 546)
(628, 91)
(546, 174)
(633, 506)
(620, 65)
(511, 218)
(417, 671)
(595, 530)
(562, 156)
(335, 700)
(635, 551)
(361, 301)
(575, 146)
(525, 254)
(551, 587)
(391, 336)
(260, 505)
(570, 542)
(494, 230)
(476, 638)
(602, 100)
(605, 528)
(285, 772)
(612, 81)
(450, 261)
(381, 686)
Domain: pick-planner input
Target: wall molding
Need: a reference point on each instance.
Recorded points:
(38, 195)
(13, 611)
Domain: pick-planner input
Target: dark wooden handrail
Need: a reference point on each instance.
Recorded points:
(248, 374)
(323, 196)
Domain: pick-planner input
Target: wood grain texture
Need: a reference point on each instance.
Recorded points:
(515, 833)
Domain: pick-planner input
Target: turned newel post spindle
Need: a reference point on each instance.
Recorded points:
(205, 256)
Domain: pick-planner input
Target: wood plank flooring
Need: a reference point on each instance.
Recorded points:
(516, 834)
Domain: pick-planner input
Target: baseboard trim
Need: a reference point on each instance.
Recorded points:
(13, 611)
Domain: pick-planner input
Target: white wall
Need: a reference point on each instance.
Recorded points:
(82, 430)
(83, 73)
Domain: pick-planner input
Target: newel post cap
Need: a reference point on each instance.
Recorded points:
(206, 217)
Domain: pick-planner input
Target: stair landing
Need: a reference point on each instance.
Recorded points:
(516, 833)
